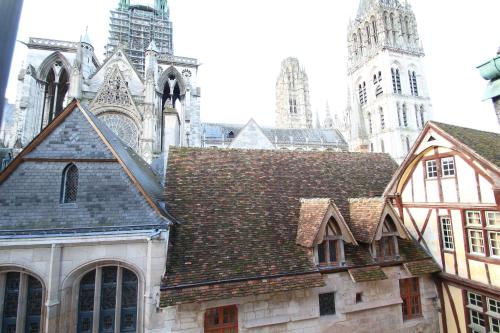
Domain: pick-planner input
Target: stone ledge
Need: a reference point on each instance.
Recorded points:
(275, 320)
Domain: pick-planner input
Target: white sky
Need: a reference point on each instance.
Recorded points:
(241, 45)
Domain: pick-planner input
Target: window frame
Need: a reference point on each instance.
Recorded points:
(324, 247)
(221, 326)
(446, 167)
(411, 298)
(447, 235)
(477, 221)
(479, 306)
(429, 173)
(70, 170)
(330, 294)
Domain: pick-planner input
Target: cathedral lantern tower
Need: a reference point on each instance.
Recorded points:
(293, 109)
(389, 104)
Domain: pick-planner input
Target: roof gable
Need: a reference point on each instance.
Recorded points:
(77, 134)
(251, 137)
(313, 220)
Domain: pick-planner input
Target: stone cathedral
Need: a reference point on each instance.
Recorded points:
(142, 91)
(388, 99)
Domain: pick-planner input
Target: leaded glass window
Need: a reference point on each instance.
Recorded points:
(124, 127)
(25, 292)
(115, 290)
(70, 184)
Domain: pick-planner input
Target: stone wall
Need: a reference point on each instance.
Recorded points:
(298, 311)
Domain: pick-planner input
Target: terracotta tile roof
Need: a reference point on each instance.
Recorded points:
(239, 289)
(365, 274)
(365, 215)
(485, 144)
(239, 213)
(312, 213)
(422, 267)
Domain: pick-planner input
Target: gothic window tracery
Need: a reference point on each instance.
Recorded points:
(375, 30)
(123, 127)
(412, 76)
(56, 88)
(396, 81)
(114, 290)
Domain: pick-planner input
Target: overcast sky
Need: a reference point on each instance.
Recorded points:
(241, 43)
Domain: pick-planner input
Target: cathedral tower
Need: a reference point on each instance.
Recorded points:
(293, 109)
(390, 102)
(134, 25)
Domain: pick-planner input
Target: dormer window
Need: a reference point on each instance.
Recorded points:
(386, 248)
(331, 250)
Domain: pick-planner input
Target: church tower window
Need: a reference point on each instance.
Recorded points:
(398, 109)
(69, 189)
(393, 29)
(405, 116)
(368, 34)
(382, 118)
(107, 300)
(386, 26)
(374, 28)
(408, 144)
(412, 76)
(382, 146)
(370, 124)
(396, 81)
(422, 118)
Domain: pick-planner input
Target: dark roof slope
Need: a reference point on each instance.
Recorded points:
(485, 144)
(239, 209)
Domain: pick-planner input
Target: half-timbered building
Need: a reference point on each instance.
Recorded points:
(447, 192)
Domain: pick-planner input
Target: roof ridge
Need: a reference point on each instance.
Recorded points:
(467, 128)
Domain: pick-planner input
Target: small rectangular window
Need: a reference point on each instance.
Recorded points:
(448, 166)
(447, 233)
(359, 297)
(326, 304)
(494, 237)
(431, 167)
(493, 219)
(475, 300)
(473, 218)
(494, 305)
(476, 241)
(222, 319)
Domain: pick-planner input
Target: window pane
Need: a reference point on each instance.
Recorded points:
(10, 304)
(448, 166)
(476, 318)
(475, 299)
(493, 219)
(410, 294)
(494, 305)
(494, 325)
(321, 253)
(473, 218)
(333, 251)
(476, 242)
(33, 305)
(431, 169)
(86, 302)
(129, 301)
(447, 233)
(494, 243)
(327, 304)
(108, 300)
(223, 319)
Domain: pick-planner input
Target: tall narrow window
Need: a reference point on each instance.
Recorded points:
(360, 42)
(116, 306)
(447, 233)
(375, 31)
(408, 145)
(393, 75)
(370, 124)
(412, 76)
(69, 189)
(407, 26)
(410, 293)
(448, 166)
(368, 35)
(382, 118)
(361, 99)
(393, 29)
(405, 116)
(221, 320)
(331, 249)
(431, 169)
(382, 146)
(422, 119)
(386, 26)
(355, 44)
(365, 96)
(14, 299)
(398, 109)
(417, 116)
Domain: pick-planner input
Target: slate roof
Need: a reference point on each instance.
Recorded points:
(485, 144)
(214, 132)
(365, 215)
(239, 212)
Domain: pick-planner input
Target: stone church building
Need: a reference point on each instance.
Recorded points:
(150, 100)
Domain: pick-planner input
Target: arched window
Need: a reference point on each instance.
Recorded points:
(393, 29)
(370, 124)
(422, 118)
(382, 118)
(24, 292)
(56, 88)
(113, 292)
(398, 109)
(69, 188)
(375, 31)
(408, 144)
(386, 26)
(331, 250)
(368, 34)
(396, 81)
(365, 96)
(405, 116)
(412, 76)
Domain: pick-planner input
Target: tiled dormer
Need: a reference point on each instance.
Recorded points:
(323, 229)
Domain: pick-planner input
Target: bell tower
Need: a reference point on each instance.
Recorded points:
(389, 104)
